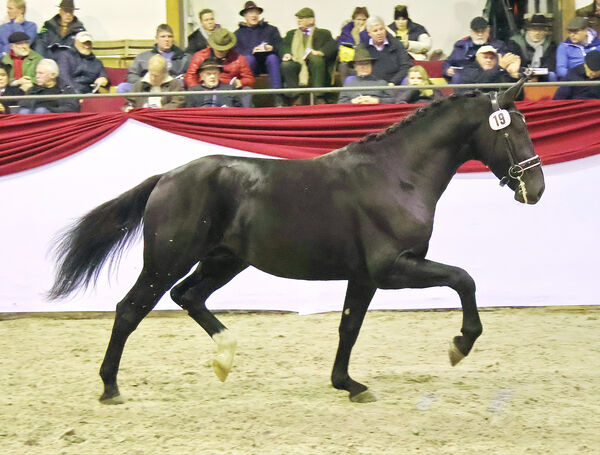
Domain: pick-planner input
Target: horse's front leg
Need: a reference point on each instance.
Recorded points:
(358, 297)
(411, 272)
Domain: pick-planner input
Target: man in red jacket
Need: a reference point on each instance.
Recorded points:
(235, 69)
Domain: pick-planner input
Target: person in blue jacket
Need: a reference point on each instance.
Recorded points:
(15, 10)
(572, 51)
(80, 68)
(589, 70)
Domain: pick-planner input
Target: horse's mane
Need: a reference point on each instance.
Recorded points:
(419, 113)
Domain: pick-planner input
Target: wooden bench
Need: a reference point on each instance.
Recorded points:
(121, 53)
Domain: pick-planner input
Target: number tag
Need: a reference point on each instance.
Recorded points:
(499, 120)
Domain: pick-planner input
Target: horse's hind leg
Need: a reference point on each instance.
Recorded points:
(191, 294)
(358, 297)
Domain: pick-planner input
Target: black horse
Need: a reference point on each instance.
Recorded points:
(363, 213)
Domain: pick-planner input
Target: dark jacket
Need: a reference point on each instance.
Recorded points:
(167, 100)
(574, 92)
(250, 37)
(414, 30)
(139, 67)
(362, 85)
(413, 96)
(209, 99)
(9, 91)
(392, 63)
(79, 71)
(589, 11)
(56, 105)
(322, 41)
(472, 73)
(464, 53)
(49, 42)
(517, 45)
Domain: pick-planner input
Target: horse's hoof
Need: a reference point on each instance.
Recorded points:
(454, 354)
(222, 365)
(223, 361)
(117, 399)
(364, 397)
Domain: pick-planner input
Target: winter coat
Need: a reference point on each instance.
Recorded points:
(29, 64)
(472, 73)
(177, 66)
(80, 71)
(29, 28)
(362, 85)
(519, 46)
(346, 38)
(322, 41)
(56, 105)
(208, 99)
(49, 41)
(464, 53)
(392, 63)
(167, 101)
(250, 37)
(234, 65)
(573, 92)
(419, 40)
(9, 91)
(569, 54)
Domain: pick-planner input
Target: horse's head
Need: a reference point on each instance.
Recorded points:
(506, 148)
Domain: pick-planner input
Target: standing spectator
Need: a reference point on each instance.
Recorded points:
(15, 10)
(209, 83)
(80, 68)
(363, 81)
(465, 49)
(198, 40)
(589, 70)
(592, 12)
(6, 89)
(156, 81)
(535, 47)
(258, 42)
(48, 83)
(417, 75)
(489, 67)
(391, 59)
(571, 52)
(413, 36)
(307, 55)
(349, 38)
(58, 33)
(236, 71)
(21, 61)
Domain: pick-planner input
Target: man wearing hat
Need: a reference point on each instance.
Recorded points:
(235, 69)
(209, 71)
(363, 65)
(581, 40)
(465, 49)
(535, 47)
(15, 10)
(307, 55)
(592, 12)
(80, 68)
(489, 68)
(258, 42)
(21, 61)
(58, 33)
(589, 70)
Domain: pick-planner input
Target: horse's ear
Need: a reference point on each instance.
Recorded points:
(510, 95)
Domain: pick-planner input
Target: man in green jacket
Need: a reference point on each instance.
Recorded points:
(307, 55)
(21, 61)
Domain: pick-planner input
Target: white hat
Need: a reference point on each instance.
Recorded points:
(487, 48)
(84, 36)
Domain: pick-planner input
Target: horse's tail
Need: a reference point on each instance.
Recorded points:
(83, 248)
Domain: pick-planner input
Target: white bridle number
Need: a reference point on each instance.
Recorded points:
(499, 119)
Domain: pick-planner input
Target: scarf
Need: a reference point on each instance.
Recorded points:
(299, 53)
(536, 60)
(356, 34)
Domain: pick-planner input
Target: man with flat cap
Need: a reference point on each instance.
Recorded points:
(465, 49)
(589, 70)
(21, 61)
(58, 33)
(307, 55)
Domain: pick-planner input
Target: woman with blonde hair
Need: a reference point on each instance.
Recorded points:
(417, 75)
(15, 11)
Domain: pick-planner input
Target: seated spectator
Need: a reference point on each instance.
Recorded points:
(157, 81)
(198, 40)
(489, 67)
(364, 79)
(259, 42)
(350, 38)
(235, 69)
(391, 58)
(307, 56)
(572, 51)
(15, 10)
(210, 71)
(413, 36)
(58, 33)
(535, 47)
(592, 12)
(177, 60)
(80, 68)
(589, 70)
(465, 49)
(7, 90)
(48, 83)
(21, 61)
(417, 75)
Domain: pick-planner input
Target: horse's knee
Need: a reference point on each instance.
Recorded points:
(462, 282)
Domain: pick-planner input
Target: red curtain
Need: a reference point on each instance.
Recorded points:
(560, 130)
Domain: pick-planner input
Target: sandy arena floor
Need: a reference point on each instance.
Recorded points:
(530, 386)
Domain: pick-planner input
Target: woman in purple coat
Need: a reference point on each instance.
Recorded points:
(349, 38)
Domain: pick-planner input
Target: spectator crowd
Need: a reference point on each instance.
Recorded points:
(59, 59)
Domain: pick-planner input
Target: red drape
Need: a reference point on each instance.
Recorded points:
(560, 130)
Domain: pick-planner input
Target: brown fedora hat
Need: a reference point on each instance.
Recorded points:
(67, 5)
(250, 5)
(222, 39)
